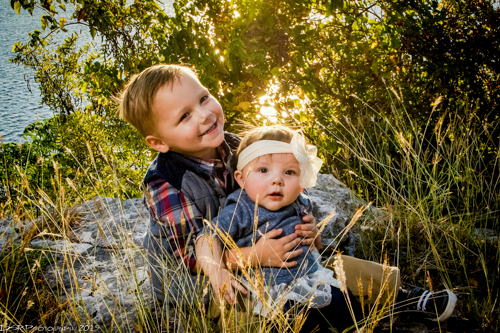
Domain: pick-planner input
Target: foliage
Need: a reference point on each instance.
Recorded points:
(308, 60)
(22, 294)
(69, 149)
(441, 199)
(448, 49)
(323, 65)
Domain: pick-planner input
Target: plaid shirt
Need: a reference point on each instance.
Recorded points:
(168, 205)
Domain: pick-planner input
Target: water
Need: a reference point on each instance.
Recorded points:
(19, 93)
(18, 105)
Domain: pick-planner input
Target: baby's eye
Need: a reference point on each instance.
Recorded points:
(184, 116)
(289, 172)
(262, 170)
(204, 98)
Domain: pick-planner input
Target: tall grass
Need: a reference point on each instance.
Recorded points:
(75, 276)
(61, 272)
(439, 184)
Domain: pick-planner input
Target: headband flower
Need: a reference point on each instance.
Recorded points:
(309, 162)
(306, 155)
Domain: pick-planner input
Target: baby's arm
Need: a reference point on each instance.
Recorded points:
(237, 221)
(210, 261)
(268, 251)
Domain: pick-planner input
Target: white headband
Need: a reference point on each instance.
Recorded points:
(309, 163)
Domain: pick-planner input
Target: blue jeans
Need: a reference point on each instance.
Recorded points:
(336, 314)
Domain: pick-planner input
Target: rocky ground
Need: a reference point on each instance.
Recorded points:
(100, 269)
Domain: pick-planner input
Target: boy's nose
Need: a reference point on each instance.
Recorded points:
(204, 114)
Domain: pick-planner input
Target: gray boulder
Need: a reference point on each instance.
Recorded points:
(101, 270)
(330, 196)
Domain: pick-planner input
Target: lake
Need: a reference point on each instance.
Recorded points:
(19, 100)
(19, 93)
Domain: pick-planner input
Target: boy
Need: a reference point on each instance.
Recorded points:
(191, 177)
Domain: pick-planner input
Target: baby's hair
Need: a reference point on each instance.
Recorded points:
(274, 132)
(136, 101)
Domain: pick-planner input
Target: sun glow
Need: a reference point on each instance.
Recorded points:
(270, 103)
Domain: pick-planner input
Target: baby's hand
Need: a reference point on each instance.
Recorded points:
(275, 252)
(223, 283)
(309, 231)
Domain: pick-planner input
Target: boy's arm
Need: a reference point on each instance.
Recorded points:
(176, 218)
(210, 262)
(308, 230)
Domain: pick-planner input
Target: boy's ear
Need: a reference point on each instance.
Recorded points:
(157, 144)
(238, 176)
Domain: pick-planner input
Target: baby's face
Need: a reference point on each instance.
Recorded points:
(274, 179)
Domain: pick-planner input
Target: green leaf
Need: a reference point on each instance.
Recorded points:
(15, 46)
(83, 86)
(375, 67)
(43, 21)
(395, 42)
(275, 71)
(333, 147)
(17, 7)
(62, 6)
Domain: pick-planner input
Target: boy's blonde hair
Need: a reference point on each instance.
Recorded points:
(136, 101)
(274, 132)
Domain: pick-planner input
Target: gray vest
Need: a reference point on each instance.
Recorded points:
(200, 188)
(205, 195)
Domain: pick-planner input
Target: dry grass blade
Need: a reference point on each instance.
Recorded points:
(355, 218)
(321, 225)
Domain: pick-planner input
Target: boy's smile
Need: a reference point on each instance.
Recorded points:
(189, 120)
(274, 178)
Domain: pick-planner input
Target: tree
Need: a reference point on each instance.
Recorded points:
(311, 61)
(448, 49)
(239, 57)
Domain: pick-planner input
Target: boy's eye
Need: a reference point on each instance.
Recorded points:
(204, 98)
(262, 170)
(289, 172)
(184, 116)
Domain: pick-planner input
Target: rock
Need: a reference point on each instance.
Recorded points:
(102, 273)
(12, 232)
(485, 235)
(8, 233)
(101, 268)
(330, 195)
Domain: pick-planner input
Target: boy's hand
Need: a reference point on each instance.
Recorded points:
(223, 283)
(309, 232)
(275, 252)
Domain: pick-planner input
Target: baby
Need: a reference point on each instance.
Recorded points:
(274, 165)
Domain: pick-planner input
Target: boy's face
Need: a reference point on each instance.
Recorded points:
(275, 178)
(188, 119)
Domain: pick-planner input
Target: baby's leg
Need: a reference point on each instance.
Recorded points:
(339, 314)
